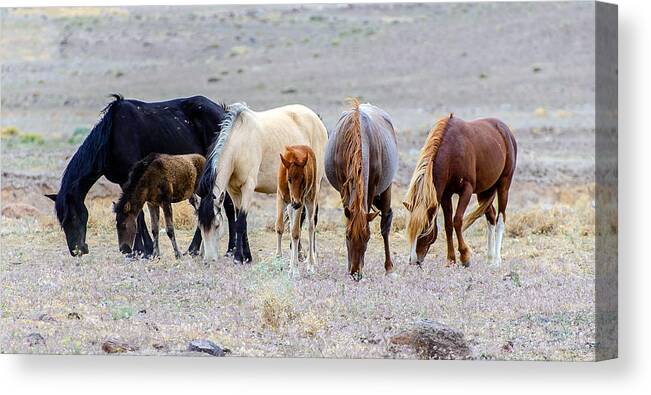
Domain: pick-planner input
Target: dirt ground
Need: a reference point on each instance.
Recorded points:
(526, 63)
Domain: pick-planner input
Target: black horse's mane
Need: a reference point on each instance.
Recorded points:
(89, 159)
(135, 174)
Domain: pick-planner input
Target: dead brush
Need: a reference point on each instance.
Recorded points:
(312, 323)
(276, 308)
(557, 220)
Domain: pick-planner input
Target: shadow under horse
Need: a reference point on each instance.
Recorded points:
(128, 131)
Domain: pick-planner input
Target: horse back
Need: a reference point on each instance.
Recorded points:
(179, 126)
(480, 151)
(379, 136)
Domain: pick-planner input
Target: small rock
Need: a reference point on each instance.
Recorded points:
(34, 339)
(159, 346)
(208, 347)
(74, 316)
(433, 340)
(508, 346)
(113, 346)
(20, 210)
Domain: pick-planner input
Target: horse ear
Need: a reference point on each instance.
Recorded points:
(286, 163)
(407, 206)
(220, 200)
(51, 196)
(347, 212)
(371, 216)
(113, 206)
(126, 208)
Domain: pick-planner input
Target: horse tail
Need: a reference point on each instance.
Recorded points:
(207, 182)
(478, 211)
(88, 163)
(353, 153)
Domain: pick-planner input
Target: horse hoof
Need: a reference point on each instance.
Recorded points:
(450, 263)
(357, 277)
(495, 262)
(229, 254)
(392, 275)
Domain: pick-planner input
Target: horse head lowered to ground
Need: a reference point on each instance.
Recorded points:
(245, 159)
(127, 132)
(460, 158)
(361, 162)
(158, 180)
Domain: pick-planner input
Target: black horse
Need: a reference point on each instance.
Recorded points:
(128, 131)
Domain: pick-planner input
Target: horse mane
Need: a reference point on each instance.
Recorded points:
(421, 195)
(352, 129)
(215, 150)
(89, 159)
(135, 175)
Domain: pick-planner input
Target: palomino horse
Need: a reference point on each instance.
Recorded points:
(245, 159)
(361, 161)
(460, 158)
(128, 131)
(298, 188)
(158, 180)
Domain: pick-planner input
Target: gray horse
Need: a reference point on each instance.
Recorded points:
(361, 162)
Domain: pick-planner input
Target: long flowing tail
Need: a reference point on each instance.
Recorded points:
(478, 211)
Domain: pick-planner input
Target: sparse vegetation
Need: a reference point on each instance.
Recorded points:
(538, 305)
(78, 135)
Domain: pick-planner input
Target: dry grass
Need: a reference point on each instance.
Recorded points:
(102, 218)
(541, 300)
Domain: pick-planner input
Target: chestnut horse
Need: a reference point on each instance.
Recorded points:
(361, 162)
(158, 180)
(462, 158)
(298, 188)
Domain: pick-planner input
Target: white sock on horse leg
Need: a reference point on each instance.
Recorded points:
(490, 245)
(498, 239)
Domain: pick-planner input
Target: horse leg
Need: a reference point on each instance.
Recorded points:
(295, 224)
(489, 196)
(490, 222)
(154, 213)
(143, 245)
(195, 245)
(316, 220)
(502, 201)
(301, 255)
(242, 249)
(384, 205)
(229, 209)
(280, 223)
(310, 207)
(169, 228)
(464, 200)
(246, 249)
(446, 204)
